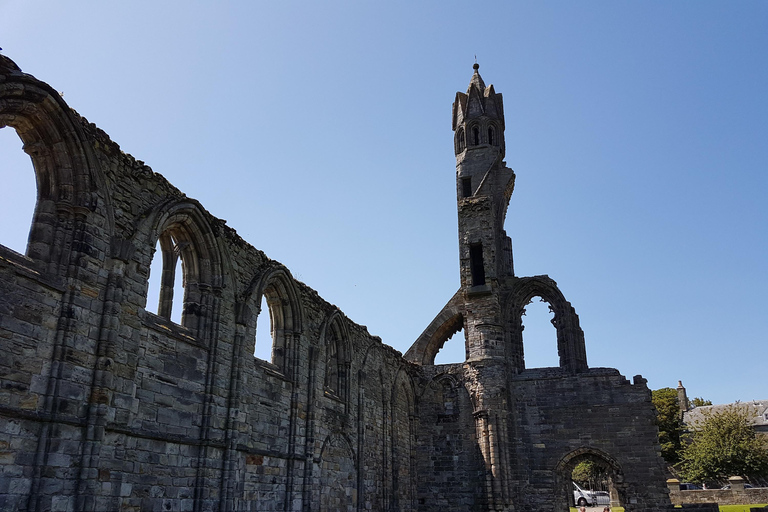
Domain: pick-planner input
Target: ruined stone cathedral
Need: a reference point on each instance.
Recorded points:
(106, 404)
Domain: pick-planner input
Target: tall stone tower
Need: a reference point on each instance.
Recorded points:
(484, 185)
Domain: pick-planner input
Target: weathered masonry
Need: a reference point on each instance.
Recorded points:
(108, 404)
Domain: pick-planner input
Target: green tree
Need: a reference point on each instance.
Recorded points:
(669, 423)
(590, 475)
(700, 402)
(583, 472)
(722, 445)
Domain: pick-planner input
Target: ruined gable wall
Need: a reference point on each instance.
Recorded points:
(106, 406)
(560, 419)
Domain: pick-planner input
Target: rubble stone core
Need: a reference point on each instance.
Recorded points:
(105, 405)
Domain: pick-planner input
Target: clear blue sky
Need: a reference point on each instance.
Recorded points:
(321, 132)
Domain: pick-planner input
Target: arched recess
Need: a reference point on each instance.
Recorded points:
(564, 471)
(336, 472)
(66, 173)
(570, 338)
(337, 357)
(448, 390)
(461, 142)
(285, 313)
(447, 323)
(373, 442)
(403, 465)
(184, 233)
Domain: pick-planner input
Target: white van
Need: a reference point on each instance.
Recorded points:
(586, 498)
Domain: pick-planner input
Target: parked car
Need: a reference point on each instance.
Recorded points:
(689, 487)
(585, 497)
(746, 486)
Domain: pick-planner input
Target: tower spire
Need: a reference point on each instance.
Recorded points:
(476, 80)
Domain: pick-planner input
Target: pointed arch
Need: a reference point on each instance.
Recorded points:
(403, 466)
(184, 232)
(373, 441)
(447, 394)
(336, 472)
(448, 322)
(570, 338)
(564, 469)
(461, 142)
(337, 356)
(67, 174)
(277, 285)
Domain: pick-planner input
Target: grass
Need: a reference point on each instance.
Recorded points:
(613, 509)
(723, 508)
(738, 508)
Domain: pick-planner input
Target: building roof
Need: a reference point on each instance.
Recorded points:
(758, 410)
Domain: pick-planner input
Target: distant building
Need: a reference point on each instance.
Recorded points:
(758, 410)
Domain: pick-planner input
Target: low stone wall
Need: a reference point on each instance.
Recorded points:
(737, 495)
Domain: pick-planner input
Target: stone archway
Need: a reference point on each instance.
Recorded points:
(564, 470)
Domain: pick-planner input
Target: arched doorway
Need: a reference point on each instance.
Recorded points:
(598, 476)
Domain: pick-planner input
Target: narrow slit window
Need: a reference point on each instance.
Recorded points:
(476, 264)
(475, 135)
(466, 187)
(491, 139)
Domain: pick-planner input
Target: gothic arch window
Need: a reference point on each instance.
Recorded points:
(278, 323)
(568, 337)
(264, 332)
(189, 265)
(64, 177)
(176, 259)
(539, 335)
(492, 136)
(166, 279)
(336, 360)
(460, 140)
(18, 194)
(332, 372)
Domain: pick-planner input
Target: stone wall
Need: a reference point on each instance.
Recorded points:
(721, 496)
(105, 405)
(736, 495)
